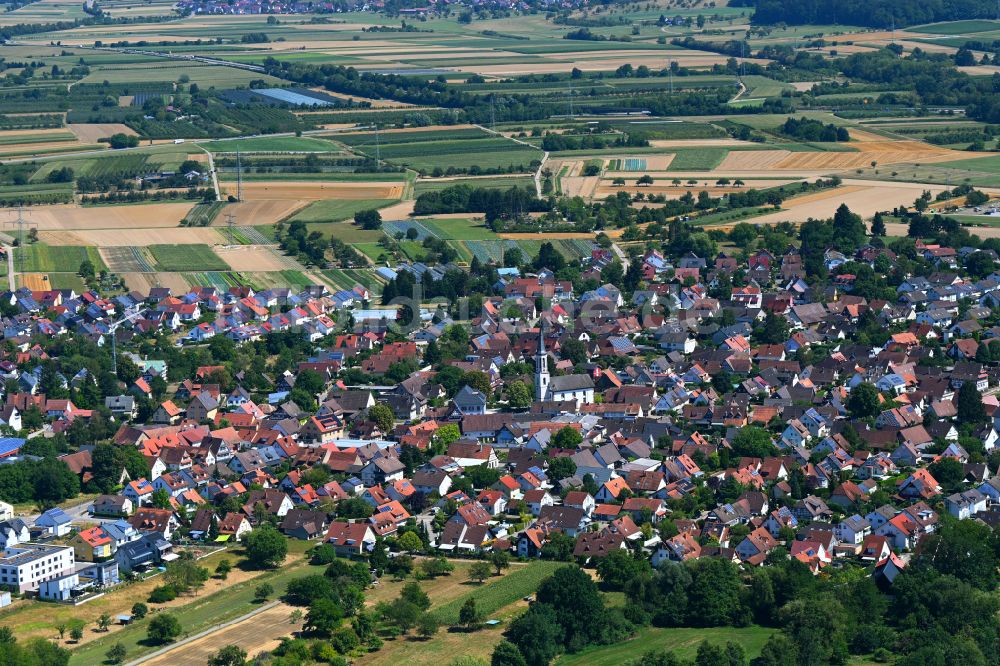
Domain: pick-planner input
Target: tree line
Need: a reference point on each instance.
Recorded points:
(870, 13)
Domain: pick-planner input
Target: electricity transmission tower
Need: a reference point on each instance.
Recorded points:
(231, 226)
(20, 225)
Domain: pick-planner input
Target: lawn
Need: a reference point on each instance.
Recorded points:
(175, 258)
(194, 617)
(496, 593)
(335, 210)
(41, 258)
(682, 641)
(346, 231)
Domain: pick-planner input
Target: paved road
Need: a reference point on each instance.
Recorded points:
(211, 170)
(78, 512)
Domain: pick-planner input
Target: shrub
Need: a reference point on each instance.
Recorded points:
(161, 594)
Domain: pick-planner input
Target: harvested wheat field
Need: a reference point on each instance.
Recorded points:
(72, 217)
(979, 70)
(752, 160)
(43, 149)
(143, 282)
(252, 213)
(35, 281)
(55, 131)
(863, 197)
(94, 132)
(314, 191)
(864, 136)
(401, 211)
(134, 237)
(255, 258)
(580, 186)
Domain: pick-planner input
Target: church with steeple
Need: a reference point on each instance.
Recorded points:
(542, 378)
(565, 388)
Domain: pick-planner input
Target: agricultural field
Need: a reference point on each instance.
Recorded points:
(178, 258)
(41, 258)
(265, 144)
(334, 210)
(445, 150)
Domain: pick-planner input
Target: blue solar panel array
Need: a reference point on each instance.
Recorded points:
(292, 97)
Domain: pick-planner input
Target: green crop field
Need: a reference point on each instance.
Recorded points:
(335, 210)
(271, 144)
(203, 214)
(176, 258)
(702, 159)
(956, 27)
(346, 231)
(203, 75)
(489, 183)
(41, 258)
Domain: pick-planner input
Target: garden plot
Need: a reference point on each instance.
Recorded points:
(121, 259)
(645, 163)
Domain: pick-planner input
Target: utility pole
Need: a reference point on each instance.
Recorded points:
(114, 350)
(20, 222)
(239, 176)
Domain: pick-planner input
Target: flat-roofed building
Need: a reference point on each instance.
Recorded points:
(25, 566)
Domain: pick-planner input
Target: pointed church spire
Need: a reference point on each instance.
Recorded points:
(541, 367)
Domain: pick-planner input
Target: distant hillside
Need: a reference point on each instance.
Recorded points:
(871, 13)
